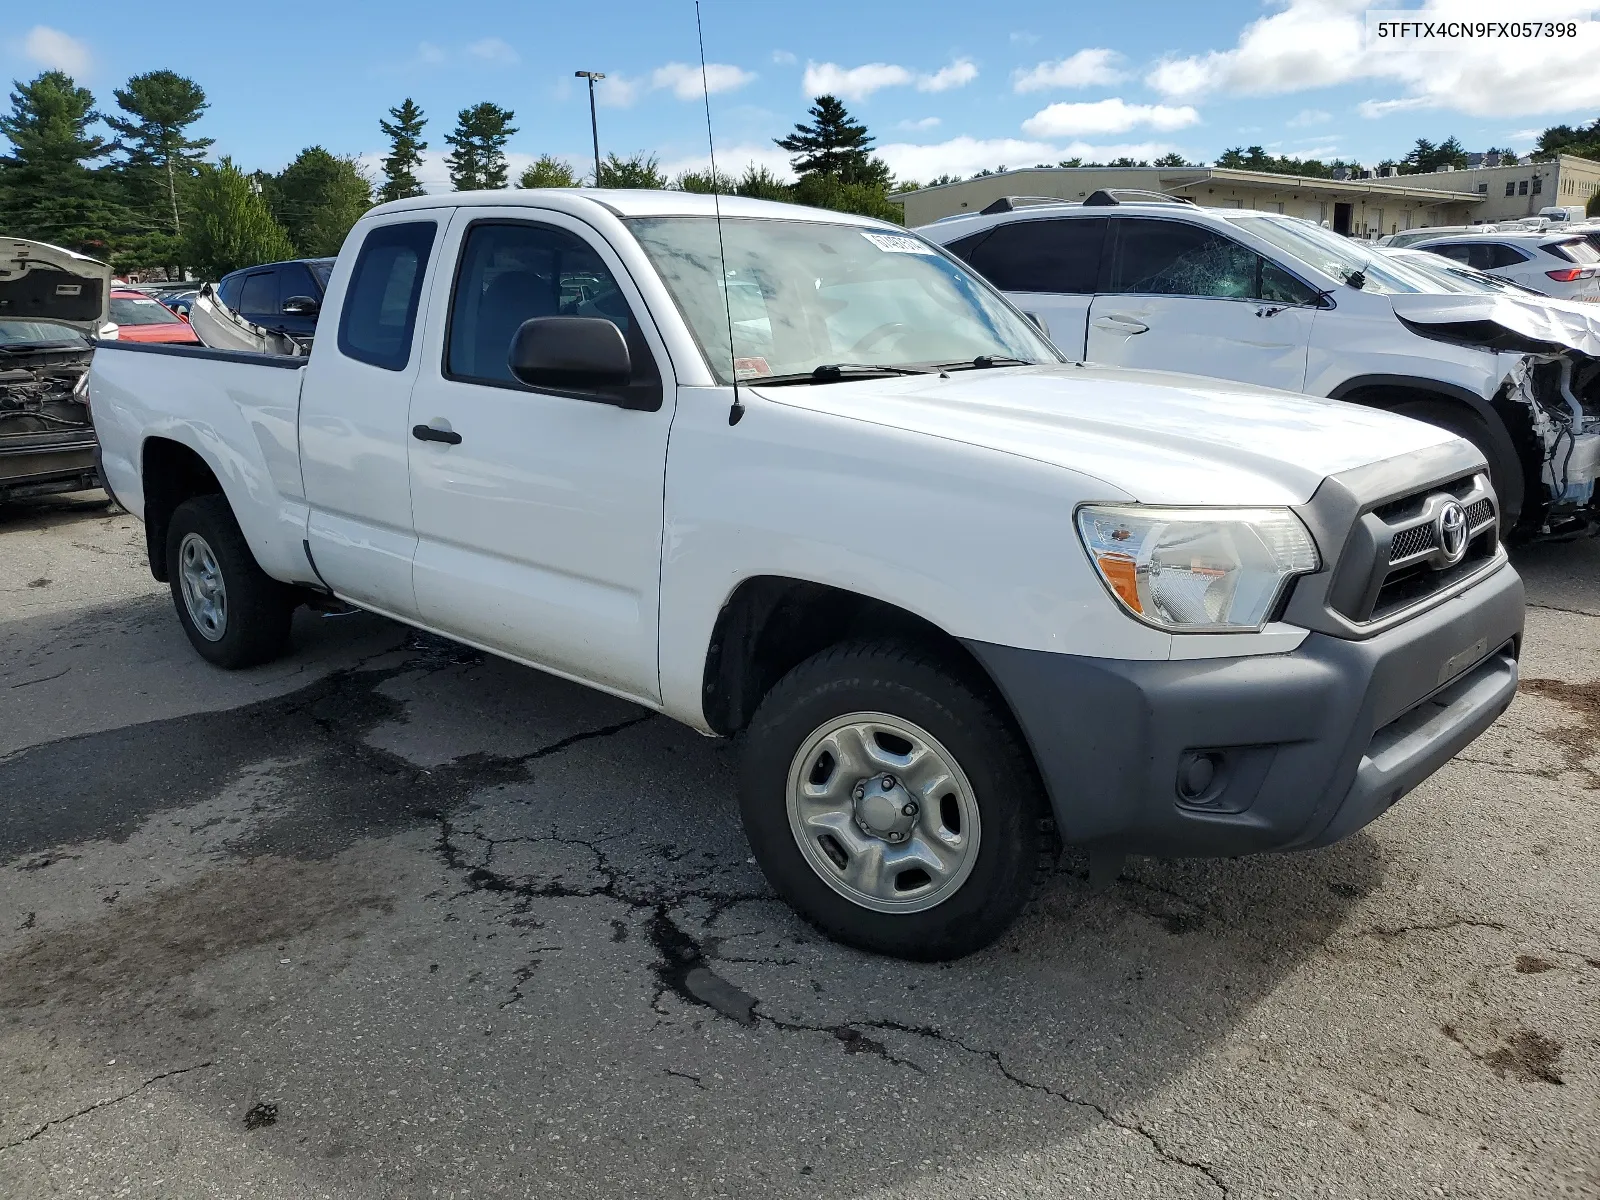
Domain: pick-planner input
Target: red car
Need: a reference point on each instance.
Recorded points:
(138, 318)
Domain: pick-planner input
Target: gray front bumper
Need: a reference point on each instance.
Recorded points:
(1309, 746)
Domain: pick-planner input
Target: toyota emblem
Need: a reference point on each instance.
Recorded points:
(1451, 526)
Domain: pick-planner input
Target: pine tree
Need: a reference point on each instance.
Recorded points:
(160, 159)
(548, 172)
(317, 198)
(479, 138)
(836, 144)
(405, 152)
(46, 191)
(231, 226)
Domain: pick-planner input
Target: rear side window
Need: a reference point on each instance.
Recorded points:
(1578, 250)
(295, 280)
(380, 305)
(259, 296)
(1452, 250)
(228, 291)
(1042, 256)
(1496, 255)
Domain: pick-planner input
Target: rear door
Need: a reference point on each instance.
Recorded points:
(354, 409)
(258, 297)
(1047, 267)
(295, 284)
(539, 519)
(1182, 297)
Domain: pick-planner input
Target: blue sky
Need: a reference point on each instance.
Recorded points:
(944, 86)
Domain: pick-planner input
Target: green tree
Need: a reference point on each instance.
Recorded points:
(405, 152)
(836, 144)
(705, 183)
(160, 158)
(636, 171)
(47, 192)
(230, 225)
(758, 183)
(828, 191)
(317, 198)
(1592, 209)
(548, 172)
(478, 160)
(1171, 160)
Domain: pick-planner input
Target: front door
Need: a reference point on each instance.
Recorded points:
(1047, 267)
(539, 517)
(1182, 297)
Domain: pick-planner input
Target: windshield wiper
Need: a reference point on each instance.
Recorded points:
(984, 362)
(835, 373)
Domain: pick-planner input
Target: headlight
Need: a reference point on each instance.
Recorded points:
(1193, 570)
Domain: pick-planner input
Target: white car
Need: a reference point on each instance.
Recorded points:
(1143, 280)
(1563, 265)
(801, 476)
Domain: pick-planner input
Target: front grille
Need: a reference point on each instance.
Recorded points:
(1394, 559)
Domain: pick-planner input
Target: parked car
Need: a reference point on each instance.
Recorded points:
(1564, 265)
(283, 297)
(1137, 280)
(179, 300)
(47, 441)
(1562, 215)
(1410, 237)
(1452, 276)
(941, 581)
(139, 318)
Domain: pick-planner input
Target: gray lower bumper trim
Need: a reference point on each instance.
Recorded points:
(1308, 746)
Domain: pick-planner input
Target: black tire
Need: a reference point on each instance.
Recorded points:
(905, 683)
(258, 608)
(1505, 470)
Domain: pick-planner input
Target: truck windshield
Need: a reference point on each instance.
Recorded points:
(1332, 254)
(807, 294)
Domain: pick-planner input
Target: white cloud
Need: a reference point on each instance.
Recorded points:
(57, 51)
(924, 123)
(853, 83)
(1309, 116)
(684, 80)
(493, 50)
(957, 74)
(618, 91)
(1309, 44)
(1086, 68)
(784, 58)
(1106, 116)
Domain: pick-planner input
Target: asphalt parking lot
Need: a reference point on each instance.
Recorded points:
(391, 918)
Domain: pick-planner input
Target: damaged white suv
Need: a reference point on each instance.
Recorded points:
(1138, 279)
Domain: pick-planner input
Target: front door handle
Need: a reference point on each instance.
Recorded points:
(427, 433)
(1119, 324)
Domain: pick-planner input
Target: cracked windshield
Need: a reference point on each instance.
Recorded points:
(802, 295)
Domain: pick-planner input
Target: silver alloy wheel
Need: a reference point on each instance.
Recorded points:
(883, 813)
(204, 593)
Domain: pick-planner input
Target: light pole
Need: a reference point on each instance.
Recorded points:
(594, 122)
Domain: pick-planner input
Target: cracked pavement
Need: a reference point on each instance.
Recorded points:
(393, 918)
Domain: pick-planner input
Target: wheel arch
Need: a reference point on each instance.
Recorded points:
(170, 472)
(769, 624)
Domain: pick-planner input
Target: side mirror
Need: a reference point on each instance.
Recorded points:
(301, 305)
(570, 354)
(1038, 322)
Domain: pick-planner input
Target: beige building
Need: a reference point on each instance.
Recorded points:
(1359, 207)
(1509, 192)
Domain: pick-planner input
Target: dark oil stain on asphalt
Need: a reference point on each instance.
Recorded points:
(261, 1115)
(1577, 740)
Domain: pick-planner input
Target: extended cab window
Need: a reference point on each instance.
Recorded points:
(380, 305)
(1174, 258)
(1043, 256)
(511, 272)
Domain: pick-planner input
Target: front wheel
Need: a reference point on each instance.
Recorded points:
(235, 614)
(891, 804)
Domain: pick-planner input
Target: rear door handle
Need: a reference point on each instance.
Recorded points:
(1117, 324)
(427, 433)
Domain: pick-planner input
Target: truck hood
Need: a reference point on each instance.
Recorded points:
(1523, 324)
(1156, 436)
(39, 282)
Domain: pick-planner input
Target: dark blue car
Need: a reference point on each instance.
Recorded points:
(284, 297)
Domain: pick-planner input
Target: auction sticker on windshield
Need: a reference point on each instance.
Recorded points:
(894, 243)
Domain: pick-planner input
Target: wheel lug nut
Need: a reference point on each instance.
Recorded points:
(910, 810)
(888, 782)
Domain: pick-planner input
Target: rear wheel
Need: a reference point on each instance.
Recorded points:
(1505, 471)
(891, 804)
(234, 613)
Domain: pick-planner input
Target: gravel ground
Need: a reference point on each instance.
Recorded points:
(392, 918)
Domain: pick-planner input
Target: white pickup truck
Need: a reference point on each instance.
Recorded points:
(803, 477)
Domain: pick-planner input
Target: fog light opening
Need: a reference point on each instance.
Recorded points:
(1198, 774)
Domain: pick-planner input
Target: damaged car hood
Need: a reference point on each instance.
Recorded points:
(39, 282)
(1517, 324)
